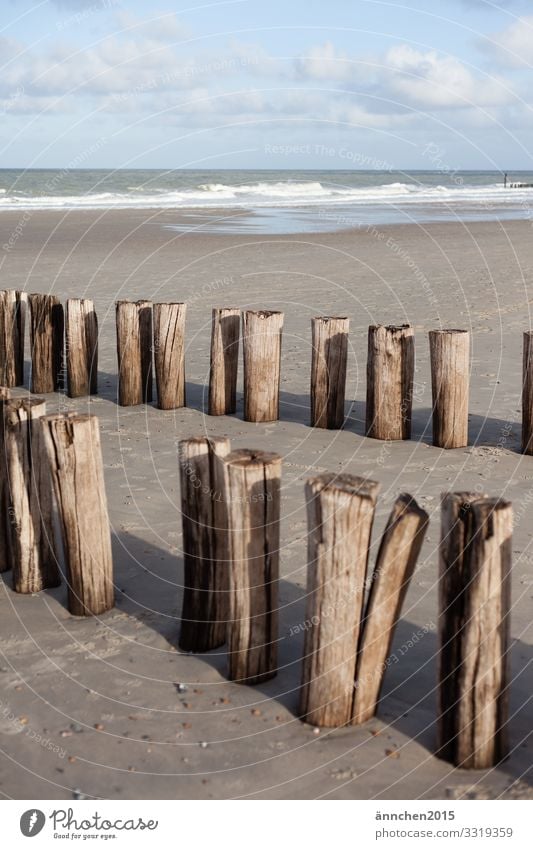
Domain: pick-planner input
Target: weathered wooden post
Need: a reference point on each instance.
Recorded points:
(340, 514)
(73, 446)
(33, 548)
(12, 321)
(450, 364)
(134, 350)
(5, 504)
(47, 331)
(389, 375)
(398, 552)
(225, 333)
(252, 496)
(527, 394)
(169, 346)
(328, 370)
(474, 625)
(204, 614)
(262, 364)
(82, 348)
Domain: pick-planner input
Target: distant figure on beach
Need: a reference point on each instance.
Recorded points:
(505, 180)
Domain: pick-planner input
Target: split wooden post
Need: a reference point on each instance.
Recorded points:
(262, 364)
(474, 626)
(450, 364)
(134, 350)
(225, 333)
(340, 514)
(389, 389)
(33, 547)
(47, 342)
(204, 614)
(527, 394)
(398, 552)
(169, 346)
(5, 504)
(73, 446)
(252, 496)
(12, 321)
(328, 370)
(82, 348)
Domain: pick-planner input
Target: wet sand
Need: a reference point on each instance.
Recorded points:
(60, 676)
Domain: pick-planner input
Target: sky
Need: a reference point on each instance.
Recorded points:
(279, 84)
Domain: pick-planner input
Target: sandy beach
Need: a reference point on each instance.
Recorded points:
(89, 707)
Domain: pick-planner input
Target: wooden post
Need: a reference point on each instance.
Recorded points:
(340, 513)
(169, 345)
(47, 342)
(398, 552)
(389, 389)
(527, 394)
(262, 365)
(474, 625)
(34, 552)
(73, 445)
(252, 496)
(134, 349)
(328, 370)
(5, 504)
(450, 363)
(204, 614)
(82, 348)
(12, 320)
(225, 333)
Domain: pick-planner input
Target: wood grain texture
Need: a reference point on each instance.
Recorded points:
(169, 346)
(398, 552)
(73, 445)
(12, 322)
(527, 394)
(340, 514)
(33, 545)
(389, 388)
(81, 348)
(262, 364)
(474, 627)
(252, 496)
(5, 501)
(47, 332)
(204, 614)
(328, 370)
(450, 365)
(225, 336)
(134, 352)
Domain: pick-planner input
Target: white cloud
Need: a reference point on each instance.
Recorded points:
(323, 62)
(513, 47)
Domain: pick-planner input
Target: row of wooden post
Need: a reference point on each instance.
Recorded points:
(230, 513)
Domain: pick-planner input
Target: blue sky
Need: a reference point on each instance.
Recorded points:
(315, 84)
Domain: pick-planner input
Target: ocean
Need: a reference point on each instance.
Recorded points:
(276, 201)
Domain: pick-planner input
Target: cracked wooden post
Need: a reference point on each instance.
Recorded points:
(252, 496)
(340, 514)
(82, 348)
(204, 613)
(474, 626)
(398, 552)
(169, 346)
(12, 322)
(450, 364)
(262, 364)
(328, 370)
(389, 388)
(225, 335)
(5, 502)
(527, 394)
(47, 342)
(73, 446)
(134, 351)
(33, 546)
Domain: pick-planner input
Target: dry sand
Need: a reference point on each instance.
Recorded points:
(61, 676)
